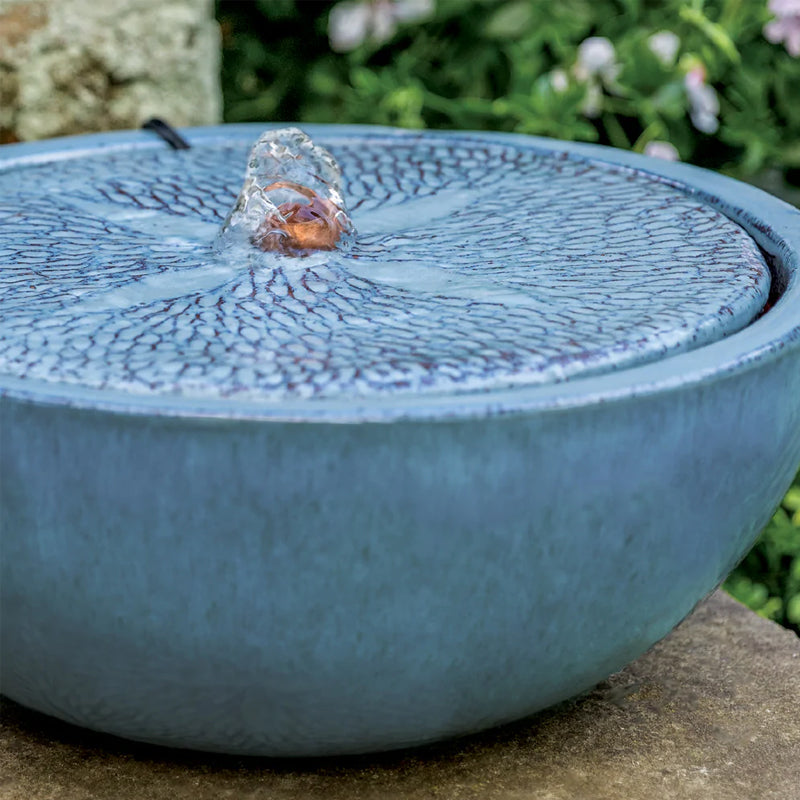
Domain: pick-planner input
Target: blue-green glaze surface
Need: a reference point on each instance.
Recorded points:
(481, 264)
(359, 572)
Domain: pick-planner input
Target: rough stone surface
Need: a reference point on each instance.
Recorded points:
(710, 713)
(74, 66)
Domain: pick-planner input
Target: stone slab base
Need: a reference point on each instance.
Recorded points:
(710, 713)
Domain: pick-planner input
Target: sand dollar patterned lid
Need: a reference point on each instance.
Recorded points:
(478, 264)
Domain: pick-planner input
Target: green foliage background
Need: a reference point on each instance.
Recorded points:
(486, 64)
(768, 580)
(489, 64)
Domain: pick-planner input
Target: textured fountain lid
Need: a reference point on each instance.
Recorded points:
(480, 264)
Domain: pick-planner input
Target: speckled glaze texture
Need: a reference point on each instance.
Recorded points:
(478, 265)
(373, 566)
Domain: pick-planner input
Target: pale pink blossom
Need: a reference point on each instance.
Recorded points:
(597, 58)
(559, 80)
(595, 67)
(664, 46)
(352, 22)
(703, 100)
(663, 150)
(592, 103)
(413, 10)
(349, 24)
(785, 27)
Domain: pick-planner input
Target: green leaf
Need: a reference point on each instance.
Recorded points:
(276, 9)
(793, 610)
(670, 100)
(791, 502)
(716, 34)
(510, 21)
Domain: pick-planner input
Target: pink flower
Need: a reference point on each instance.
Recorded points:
(664, 45)
(559, 80)
(354, 21)
(592, 103)
(663, 150)
(703, 100)
(596, 67)
(786, 25)
(597, 58)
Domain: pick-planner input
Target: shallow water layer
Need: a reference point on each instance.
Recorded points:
(476, 266)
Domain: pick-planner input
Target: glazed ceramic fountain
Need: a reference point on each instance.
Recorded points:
(274, 502)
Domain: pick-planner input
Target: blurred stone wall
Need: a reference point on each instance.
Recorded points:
(73, 66)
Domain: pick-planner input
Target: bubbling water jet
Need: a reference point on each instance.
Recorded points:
(291, 202)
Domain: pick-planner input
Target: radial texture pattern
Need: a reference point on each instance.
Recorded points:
(477, 265)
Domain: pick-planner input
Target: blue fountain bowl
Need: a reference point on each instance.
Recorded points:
(358, 573)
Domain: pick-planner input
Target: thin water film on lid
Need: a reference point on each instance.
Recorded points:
(479, 265)
(291, 202)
